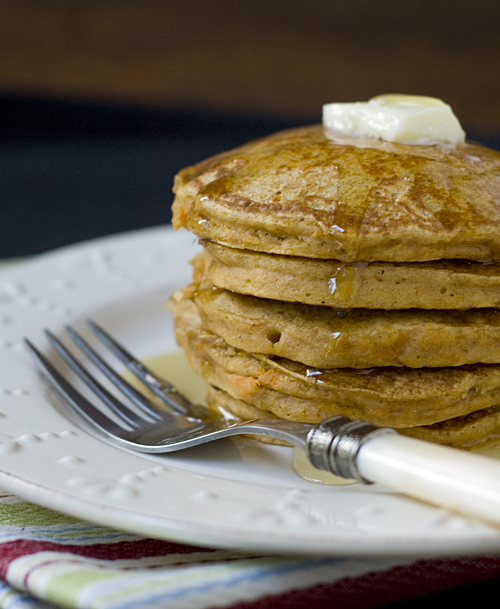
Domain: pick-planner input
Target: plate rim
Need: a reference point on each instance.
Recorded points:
(189, 531)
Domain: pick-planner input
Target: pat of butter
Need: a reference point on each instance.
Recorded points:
(406, 119)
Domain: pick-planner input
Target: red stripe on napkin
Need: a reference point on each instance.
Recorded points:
(122, 550)
(384, 587)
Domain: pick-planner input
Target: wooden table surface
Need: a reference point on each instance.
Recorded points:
(277, 57)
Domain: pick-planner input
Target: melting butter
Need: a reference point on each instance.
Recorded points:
(405, 119)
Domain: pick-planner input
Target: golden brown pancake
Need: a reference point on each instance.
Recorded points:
(345, 275)
(301, 193)
(467, 431)
(443, 284)
(361, 338)
(395, 397)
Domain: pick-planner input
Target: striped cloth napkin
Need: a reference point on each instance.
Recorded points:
(51, 560)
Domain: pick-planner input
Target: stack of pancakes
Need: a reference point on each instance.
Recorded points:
(346, 276)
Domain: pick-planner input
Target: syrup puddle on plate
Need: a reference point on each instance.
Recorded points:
(175, 368)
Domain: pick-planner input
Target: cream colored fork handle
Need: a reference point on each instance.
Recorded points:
(462, 481)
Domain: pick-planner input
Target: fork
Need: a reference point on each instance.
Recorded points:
(462, 481)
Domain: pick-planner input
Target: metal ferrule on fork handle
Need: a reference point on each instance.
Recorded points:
(333, 445)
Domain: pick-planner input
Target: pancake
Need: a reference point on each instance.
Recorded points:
(443, 284)
(328, 338)
(387, 396)
(467, 431)
(346, 275)
(301, 193)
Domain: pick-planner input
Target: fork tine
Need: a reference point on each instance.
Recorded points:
(80, 404)
(160, 387)
(125, 414)
(118, 381)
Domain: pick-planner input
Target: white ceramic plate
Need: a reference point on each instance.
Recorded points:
(234, 493)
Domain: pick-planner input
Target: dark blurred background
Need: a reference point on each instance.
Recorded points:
(102, 101)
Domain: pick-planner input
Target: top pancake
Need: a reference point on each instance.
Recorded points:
(301, 193)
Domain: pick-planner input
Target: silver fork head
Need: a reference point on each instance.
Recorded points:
(144, 424)
(145, 427)
(163, 389)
